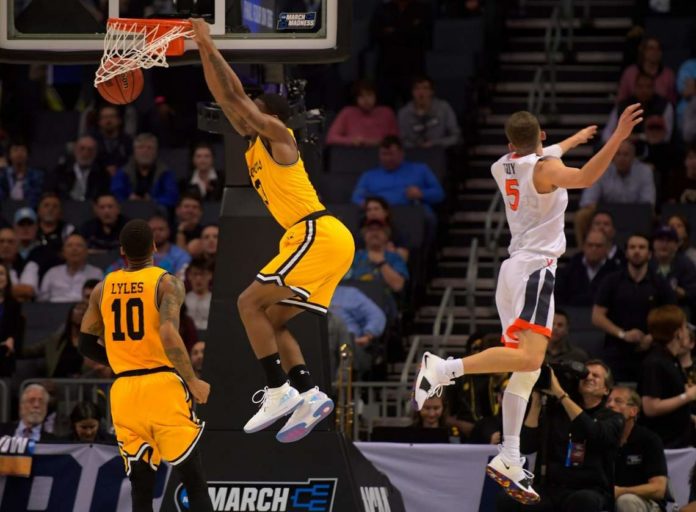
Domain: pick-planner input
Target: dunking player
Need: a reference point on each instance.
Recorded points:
(315, 252)
(136, 312)
(533, 180)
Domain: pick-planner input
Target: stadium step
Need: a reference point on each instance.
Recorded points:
(586, 57)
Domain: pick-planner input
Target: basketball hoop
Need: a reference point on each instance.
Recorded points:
(132, 43)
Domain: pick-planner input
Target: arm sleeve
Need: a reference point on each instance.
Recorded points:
(654, 460)
(650, 382)
(397, 263)
(120, 186)
(89, 347)
(373, 317)
(337, 131)
(451, 127)
(432, 190)
(647, 188)
(591, 195)
(30, 275)
(360, 191)
(554, 150)
(665, 293)
(604, 431)
(405, 128)
(168, 193)
(604, 293)
(45, 288)
(687, 279)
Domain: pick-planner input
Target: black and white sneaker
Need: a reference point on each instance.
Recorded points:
(431, 379)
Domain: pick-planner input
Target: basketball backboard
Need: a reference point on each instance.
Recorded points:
(284, 31)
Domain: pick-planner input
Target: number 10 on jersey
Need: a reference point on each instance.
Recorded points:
(512, 189)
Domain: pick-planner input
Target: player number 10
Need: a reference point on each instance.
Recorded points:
(512, 188)
(135, 334)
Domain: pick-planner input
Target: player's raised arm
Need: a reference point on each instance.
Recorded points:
(172, 295)
(553, 173)
(92, 329)
(577, 139)
(227, 89)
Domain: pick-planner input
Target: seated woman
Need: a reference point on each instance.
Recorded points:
(365, 123)
(681, 226)
(85, 421)
(377, 208)
(433, 415)
(203, 178)
(10, 325)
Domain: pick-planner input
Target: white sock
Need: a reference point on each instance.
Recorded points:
(454, 368)
(514, 407)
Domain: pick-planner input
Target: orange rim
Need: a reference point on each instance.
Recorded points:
(160, 26)
(149, 22)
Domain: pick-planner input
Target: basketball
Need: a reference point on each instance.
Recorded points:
(124, 88)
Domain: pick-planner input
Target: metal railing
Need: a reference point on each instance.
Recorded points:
(380, 400)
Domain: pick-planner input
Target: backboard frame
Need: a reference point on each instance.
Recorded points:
(239, 47)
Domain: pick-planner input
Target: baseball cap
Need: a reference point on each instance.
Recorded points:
(25, 213)
(666, 232)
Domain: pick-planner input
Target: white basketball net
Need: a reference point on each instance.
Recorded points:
(128, 46)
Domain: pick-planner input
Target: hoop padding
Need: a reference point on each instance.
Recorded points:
(132, 43)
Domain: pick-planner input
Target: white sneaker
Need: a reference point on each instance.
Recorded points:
(431, 378)
(513, 478)
(275, 403)
(315, 407)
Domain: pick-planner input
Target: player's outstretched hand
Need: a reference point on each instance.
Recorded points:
(586, 134)
(200, 390)
(201, 29)
(629, 118)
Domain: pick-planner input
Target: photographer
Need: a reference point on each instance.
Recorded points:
(576, 439)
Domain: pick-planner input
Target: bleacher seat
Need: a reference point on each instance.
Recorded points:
(352, 160)
(336, 188)
(77, 212)
(9, 207)
(458, 35)
(349, 214)
(55, 127)
(139, 209)
(629, 219)
(43, 319)
(176, 159)
(410, 221)
(687, 210)
(46, 155)
(211, 212)
(372, 289)
(436, 159)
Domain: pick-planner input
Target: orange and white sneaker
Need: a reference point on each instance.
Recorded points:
(513, 478)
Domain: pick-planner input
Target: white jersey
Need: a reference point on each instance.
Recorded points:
(536, 221)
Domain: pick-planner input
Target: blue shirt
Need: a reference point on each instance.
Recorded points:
(360, 314)
(392, 185)
(363, 269)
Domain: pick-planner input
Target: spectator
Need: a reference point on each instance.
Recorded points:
(653, 105)
(33, 407)
(686, 87)
(11, 332)
(626, 181)
(85, 420)
(674, 266)
(432, 415)
(681, 226)
(144, 177)
(689, 123)
(208, 246)
(377, 263)
(666, 395)
(363, 319)
(200, 275)
(80, 178)
(203, 179)
(52, 229)
(25, 225)
(641, 468)
(603, 221)
(189, 212)
(63, 283)
(365, 123)
(114, 146)
(18, 181)
(650, 64)
(683, 181)
(59, 350)
(577, 283)
(581, 446)
(187, 329)
(401, 30)
(8, 252)
(197, 357)
(377, 208)
(488, 429)
(427, 121)
(168, 256)
(560, 349)
(621, 309)
(102, 231)
(399, 181)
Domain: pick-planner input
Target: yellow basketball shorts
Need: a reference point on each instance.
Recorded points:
(313, 257)
(154, 419)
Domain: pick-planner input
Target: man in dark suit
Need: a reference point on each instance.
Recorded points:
(81, 177)
(33, 407)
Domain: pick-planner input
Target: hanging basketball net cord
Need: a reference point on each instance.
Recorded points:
(140, 43)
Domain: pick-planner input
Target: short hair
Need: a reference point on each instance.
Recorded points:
(609, 380)
(362, 86)
(193, 195)
(49, 195)
(422, 79)
(523, 131)
(200, 264)
(596, 230)
(638, 235)
(598, 212)
(563, 313)
(104, 194)
(46, 394)
(203, 145)
(664, 322)
(18, 142)
(136, 239)
(633, 396)
(145, 137)
(382, 202)
(391, 140)
(85, 411)
(158, 216)
(276, 105)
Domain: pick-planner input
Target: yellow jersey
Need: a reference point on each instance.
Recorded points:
(130, 312)
(285, 189)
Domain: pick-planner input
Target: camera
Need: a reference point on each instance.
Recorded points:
(308, 125)
(568, 373)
